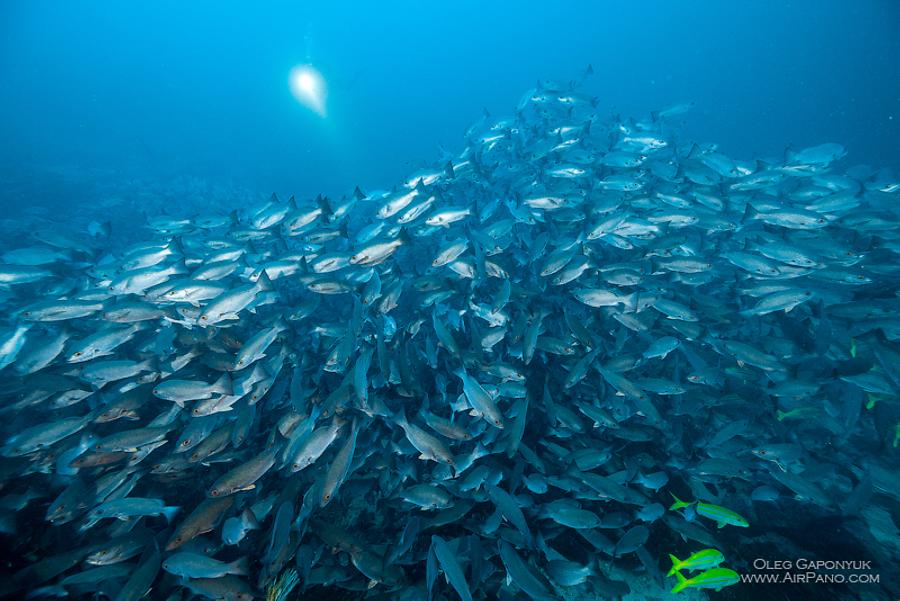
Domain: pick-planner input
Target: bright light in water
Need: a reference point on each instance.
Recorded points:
(308, 87)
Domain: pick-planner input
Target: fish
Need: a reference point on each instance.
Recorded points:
(203, 519)
(426, 496)
(184, 391)
(236, 528)
(314, 445)
(11, 344)
(228, 587)
(227, 305)
(100, 373)
(142, 577)
(129, 507)
(194, 565)
(715, 578)
(452, 570)
(242, 477)
(340, 468)
(523, 575)
(721, 515)
(480, 400)
(43, 436)
(429, 447)
(545, 332)
(700, 560)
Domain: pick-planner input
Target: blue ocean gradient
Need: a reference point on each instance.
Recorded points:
(169, 89)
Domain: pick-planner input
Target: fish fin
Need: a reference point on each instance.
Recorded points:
(176, 245)
(371, 584)
(475, 413)
(223, 385)
(682, 583)
(325, 206)
(675, 562)
(264, 283)
(750, 213)
(246, 488)
(240, 567)
(170, 512)
(678, 504)
(250, 519)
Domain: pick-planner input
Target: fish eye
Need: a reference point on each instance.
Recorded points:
(77, 353)
(203, 318)
(185, 442)
(214, 493)
(762, 452)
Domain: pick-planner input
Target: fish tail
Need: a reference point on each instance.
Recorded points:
(750, 213)
(240, 567)
(264, 283)
(678, 504)
(223, 385)
(676, 565)
(170, 513)
(682, 583)
(250, 518)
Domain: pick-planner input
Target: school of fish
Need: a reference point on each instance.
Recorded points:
(486, 383)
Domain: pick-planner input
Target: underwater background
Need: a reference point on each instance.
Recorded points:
(200, 89)
(470, 300)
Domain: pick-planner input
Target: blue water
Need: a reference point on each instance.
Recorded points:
(149, 136)
(169, 89)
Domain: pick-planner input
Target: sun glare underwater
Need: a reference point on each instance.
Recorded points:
(472, 301)
(308, 87)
